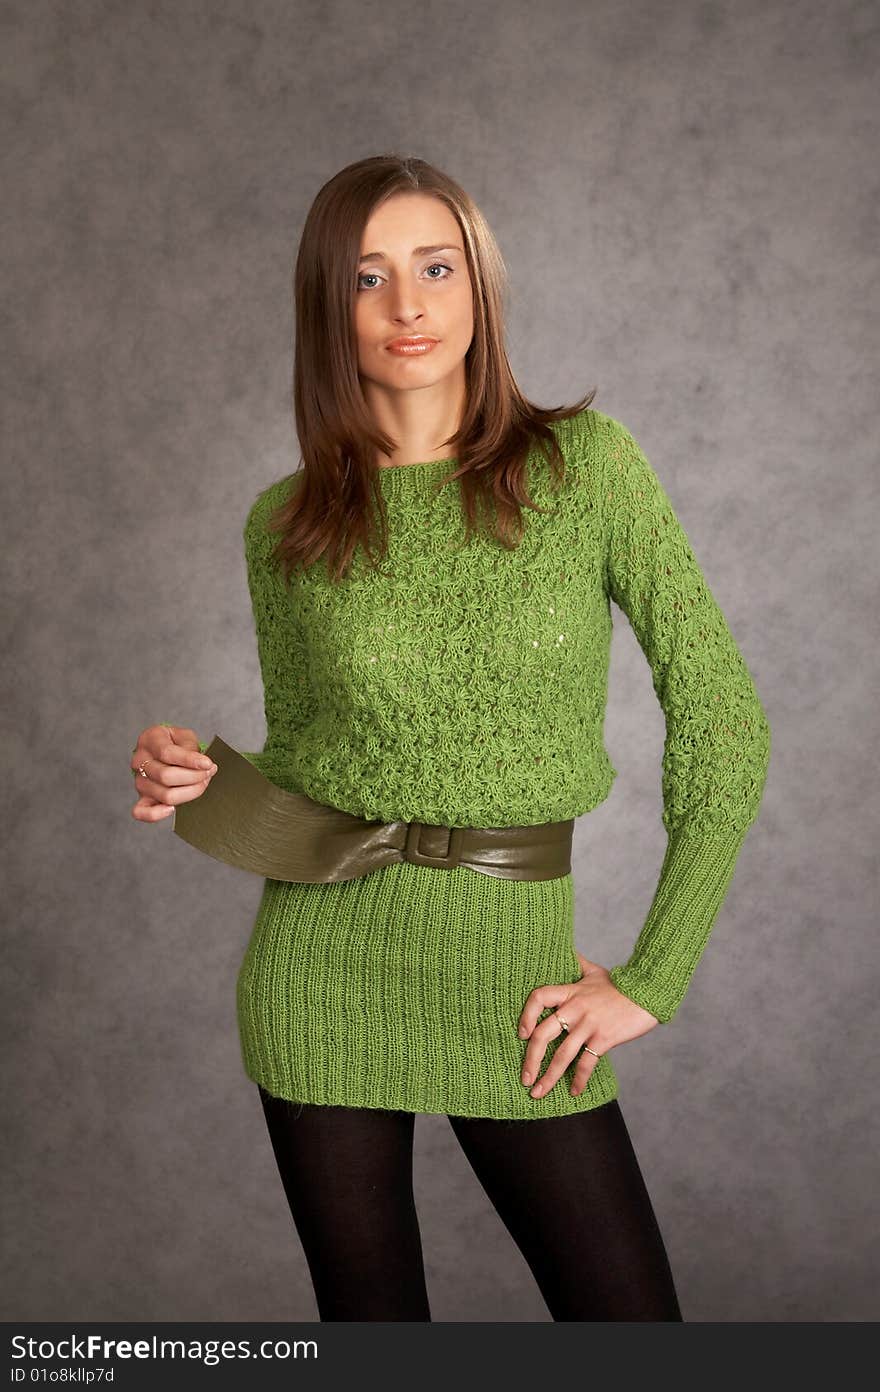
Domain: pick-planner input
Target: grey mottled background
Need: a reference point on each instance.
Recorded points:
(686, 197)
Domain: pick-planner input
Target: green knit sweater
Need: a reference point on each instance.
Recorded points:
(467, 686)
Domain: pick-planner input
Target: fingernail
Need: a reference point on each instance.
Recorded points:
(522, 1031)
(537, 1090)
(527, 1078)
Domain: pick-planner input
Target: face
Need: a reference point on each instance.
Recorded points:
(412, 280)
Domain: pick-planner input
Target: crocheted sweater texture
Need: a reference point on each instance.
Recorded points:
(466, 685)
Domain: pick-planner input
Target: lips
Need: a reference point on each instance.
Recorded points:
(409, 339)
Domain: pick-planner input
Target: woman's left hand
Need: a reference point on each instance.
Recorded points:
(595, 1012)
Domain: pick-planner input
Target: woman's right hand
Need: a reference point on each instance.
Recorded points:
(176, 771)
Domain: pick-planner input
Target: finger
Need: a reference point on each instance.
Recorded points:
(564, 1055)
(148, 810)
(154, 809)
(541, 1037)
(160, 775)
(582, 1073)
(151, 808)
(538, 1000)
(177, 753)
(189, 793)
(179, 735)
(159, 743)
(158, 795)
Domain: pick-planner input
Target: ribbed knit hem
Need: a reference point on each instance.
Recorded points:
(694, 878)
(602, 1088)
(403, 989)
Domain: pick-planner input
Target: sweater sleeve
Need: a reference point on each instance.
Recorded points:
(287, 700)
(717, 746)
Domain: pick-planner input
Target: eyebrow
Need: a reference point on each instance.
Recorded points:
(417, 251)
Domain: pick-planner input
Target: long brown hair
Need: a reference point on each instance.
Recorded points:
(339, 502)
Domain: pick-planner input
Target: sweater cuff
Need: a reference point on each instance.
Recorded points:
(694, 878)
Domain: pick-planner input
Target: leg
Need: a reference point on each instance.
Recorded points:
(347, 1174)
(570, 1192)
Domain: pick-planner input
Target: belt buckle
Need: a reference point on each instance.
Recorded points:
(415, 856)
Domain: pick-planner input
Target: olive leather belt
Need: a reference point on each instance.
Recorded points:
(247, 821)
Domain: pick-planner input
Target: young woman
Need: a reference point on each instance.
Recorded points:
(452, 677)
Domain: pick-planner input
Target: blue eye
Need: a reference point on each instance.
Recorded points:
(435, 265)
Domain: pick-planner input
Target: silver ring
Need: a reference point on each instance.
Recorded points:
(563, 1022)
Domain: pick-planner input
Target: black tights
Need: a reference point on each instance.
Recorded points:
(568, 1189)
